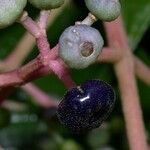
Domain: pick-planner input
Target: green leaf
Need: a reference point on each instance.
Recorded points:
(4, 117)
(137, 20)
(143, 88)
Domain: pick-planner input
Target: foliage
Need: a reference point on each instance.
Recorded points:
(34, 128)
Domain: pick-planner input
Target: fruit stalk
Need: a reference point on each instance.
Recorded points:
(89, 20)
(30, 24)
(127, 83)
(41, 97)
(43, 19)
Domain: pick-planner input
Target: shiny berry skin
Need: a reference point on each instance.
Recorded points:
(46, 4)
(87, 106)
(106, 10)
(10, 10)
(80, 45)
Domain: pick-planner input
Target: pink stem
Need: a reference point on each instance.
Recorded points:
(20, 76)
(43, 19)
(41, 97)
(109, 55)
(124, 69)
(38, 32)
(116, 35)
(33, 70)
(59, 68)
(43, 46)
(30, 25)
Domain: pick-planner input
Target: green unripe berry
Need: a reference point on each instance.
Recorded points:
(46, 4)
(80, 45)
(106, 10)
(70, 145)
(10, 10)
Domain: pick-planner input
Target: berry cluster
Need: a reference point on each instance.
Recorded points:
(11, 10)
(81, 44)
(87, 106)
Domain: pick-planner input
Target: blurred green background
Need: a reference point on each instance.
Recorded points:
(35, 128)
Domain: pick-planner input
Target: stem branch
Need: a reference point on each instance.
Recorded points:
(41, 97)
(124, 69)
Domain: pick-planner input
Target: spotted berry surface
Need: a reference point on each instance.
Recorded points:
(80, 45)
(87, 106)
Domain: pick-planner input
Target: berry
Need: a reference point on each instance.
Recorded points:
(80, 45)
(87, 106)
(46, 4)
(10, 10)
(106, 10)
(70, 145)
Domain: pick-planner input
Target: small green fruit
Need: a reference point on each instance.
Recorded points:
(46, 4)
(80, 45)
(70, 145)
(10, 10)
(106, 10)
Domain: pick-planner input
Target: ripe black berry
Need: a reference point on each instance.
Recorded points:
(87, 106)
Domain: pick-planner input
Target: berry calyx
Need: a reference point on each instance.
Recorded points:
(80, 45)
(10, 10)
(87, 106)
(46, 4)
(106, 10)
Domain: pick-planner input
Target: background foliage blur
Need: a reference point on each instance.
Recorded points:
(34, 128)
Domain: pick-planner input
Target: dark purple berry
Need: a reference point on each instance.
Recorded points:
(87, 106)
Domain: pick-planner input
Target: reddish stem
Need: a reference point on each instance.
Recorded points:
(43, 46)
(124, 68)
(41, 97)
(36, 69)
(61, 70)
(56, 66)
(43, 19)
(109, 55)
(30, 25)
(30, 71)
